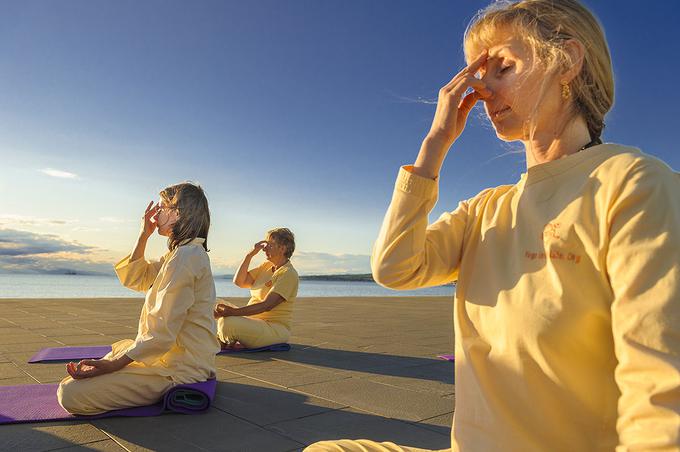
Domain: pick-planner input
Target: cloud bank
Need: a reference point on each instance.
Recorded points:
(28, 252)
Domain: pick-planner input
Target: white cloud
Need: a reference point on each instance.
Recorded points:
(28, 252)
(314, 263)
(115, 220)
(22, 220)
(59, 173)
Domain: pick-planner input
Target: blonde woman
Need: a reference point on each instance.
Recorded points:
(567, 307)
(176, 337)
(267, 318)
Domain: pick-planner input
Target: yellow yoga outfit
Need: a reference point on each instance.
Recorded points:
(567, 306)
(269, 327)
(175, 341)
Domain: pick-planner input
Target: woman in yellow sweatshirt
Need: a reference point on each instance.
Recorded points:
(567, 306)
(176, 340)
(273, 285)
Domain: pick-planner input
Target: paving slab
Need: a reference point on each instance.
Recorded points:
(359, 368)
(354, 424)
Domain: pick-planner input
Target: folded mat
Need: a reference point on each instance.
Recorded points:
(35, 403)
(95, 352)
(446, 357)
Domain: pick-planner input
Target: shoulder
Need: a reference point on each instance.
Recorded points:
(625, 165)
(287, 271)
(190, 257)
(487, 196)
(620, 158)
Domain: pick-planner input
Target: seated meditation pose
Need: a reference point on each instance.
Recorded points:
(567, 306)
(176, 341)
(267, 318)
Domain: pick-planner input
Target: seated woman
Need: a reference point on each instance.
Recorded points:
(273, 287)
(176, 337)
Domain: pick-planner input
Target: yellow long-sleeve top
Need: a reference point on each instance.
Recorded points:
(176, 336)
(567, 306)
(284, 281)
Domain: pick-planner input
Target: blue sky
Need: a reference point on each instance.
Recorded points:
(289, 113)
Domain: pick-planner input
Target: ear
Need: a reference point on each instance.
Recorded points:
(575, 52)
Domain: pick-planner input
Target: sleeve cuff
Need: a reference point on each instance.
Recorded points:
(411, 183)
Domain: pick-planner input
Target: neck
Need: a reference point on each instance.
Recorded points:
(546, 146)
(278, 261)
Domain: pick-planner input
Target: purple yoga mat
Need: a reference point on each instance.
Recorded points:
(95, 352)
(36, 403)
(70, 353)
(269, 348)
(446, 357)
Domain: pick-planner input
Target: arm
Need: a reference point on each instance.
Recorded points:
(270, 302)
(643, 265)
(242, 278)
(408, 253)
(133, 271)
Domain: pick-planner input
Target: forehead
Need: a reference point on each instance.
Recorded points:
(499, 44)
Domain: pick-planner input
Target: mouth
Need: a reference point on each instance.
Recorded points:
(501, 112)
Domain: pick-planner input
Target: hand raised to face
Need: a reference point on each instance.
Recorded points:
(453, 106)
(149, 219)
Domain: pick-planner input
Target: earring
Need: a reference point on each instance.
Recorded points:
(566, 91)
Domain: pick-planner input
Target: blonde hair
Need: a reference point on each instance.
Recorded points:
(544, 26)
(194, 215)
(285, 238)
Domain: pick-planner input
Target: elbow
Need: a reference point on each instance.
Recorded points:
(388, 278)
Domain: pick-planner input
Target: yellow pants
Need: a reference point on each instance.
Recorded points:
(250, 332)
(361, 445)
(111, 392)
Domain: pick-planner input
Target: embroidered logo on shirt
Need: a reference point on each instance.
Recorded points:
(551, 234)
(551, 230)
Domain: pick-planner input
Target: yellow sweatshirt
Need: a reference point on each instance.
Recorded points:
(567, 306)
(176, 337)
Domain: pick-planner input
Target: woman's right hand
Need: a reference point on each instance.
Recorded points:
(148, 223)
(452, 108)
(259, 246)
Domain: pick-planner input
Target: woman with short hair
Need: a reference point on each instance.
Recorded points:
(267, 318)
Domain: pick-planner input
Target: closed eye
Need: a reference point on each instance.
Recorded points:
(504, 69)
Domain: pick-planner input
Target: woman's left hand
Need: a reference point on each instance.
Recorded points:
(88, 368)
(222, 310)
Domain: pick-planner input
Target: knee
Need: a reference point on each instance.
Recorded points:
(70, 396)
(227, 325)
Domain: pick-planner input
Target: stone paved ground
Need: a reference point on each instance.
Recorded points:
(359, 367)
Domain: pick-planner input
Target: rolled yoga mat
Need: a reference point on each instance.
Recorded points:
(37, 403)
(57, 354)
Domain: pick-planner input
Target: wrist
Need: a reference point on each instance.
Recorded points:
(436, 142)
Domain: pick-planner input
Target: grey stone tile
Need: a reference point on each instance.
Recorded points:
(287, 374)
(47, 436)
(28, 346)
(354, 424)
(104, 446)
(381, 399)
(263, 404)
(436, 378)
(10, 370)
(214, 431)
